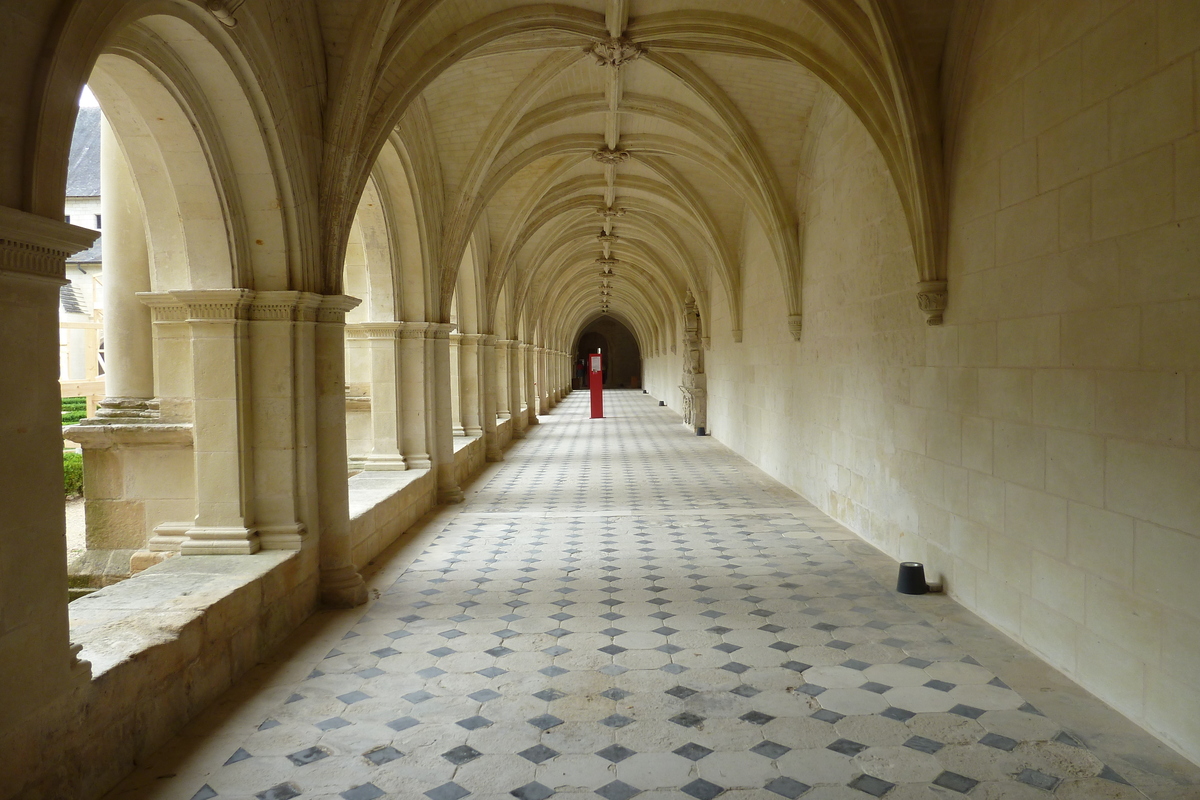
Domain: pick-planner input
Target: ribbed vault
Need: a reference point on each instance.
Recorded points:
(616, 154)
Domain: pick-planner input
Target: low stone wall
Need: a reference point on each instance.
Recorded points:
(469, 458)
(162, 648)
(383, 505)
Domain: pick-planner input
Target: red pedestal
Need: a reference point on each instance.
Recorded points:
(596, 384)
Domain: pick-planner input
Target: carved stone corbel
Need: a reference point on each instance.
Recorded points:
(609, 156)
(931, 298)
(795, 325)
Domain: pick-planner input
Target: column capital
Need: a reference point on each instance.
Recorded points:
(455, 337)
(506, 343)
(37, 247)
(439, 330)
(488, 339)
(198, 305)
(413, 330)
(374, 330)
(333, 307)
(527, 346)
(471, 338)
(283, 306)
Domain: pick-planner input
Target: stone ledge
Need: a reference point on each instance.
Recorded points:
(383, 505)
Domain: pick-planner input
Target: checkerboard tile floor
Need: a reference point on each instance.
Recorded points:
(624, 610)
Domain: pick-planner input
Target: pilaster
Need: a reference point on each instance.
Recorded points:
(448, 488)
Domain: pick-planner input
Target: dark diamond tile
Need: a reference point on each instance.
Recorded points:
(854, 663)
(549, 695)
(545, 721)
(923, 745)
(447, 791)
(612, 649)
(1109, 774)
(308, 755)
(474, 723)
(492, 672)
(810, 689)
(898, 714)
(702, 789)
(871, 785)
(332, 724)
(484, 695)
(532, 791)
(726, 647)
(553, 671)
(538, 753)
(919, 663)
(877, 688)
(825, 715)
(665, 630)
(941, 686)
(744, 691)
(970, 712)
(735, 668)
(771, 627)
(1038, 779)
(783, 647)
(846, 747)
(615, 753)
(268, 724)
(618, 790)
(461, 755)
(787, 787)
(419, 696)
(367, 791)
(403, 724)
(955, 782)
(497, 652)
(239, 755)
(687, 719)
(1068, 739)
(382, 755)
(999, 742)
(615, 694)
(756, 717)
(430, 673)
(682, 692)
(616, 721)
(282, 791)
(796, 666)
(692, 751)
(769, 749)
(205, 793)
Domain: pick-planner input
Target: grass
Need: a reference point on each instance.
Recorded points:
(72, 473)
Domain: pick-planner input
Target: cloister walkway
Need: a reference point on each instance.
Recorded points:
(623, 609)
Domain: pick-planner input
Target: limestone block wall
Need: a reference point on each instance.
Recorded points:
(1041, 450)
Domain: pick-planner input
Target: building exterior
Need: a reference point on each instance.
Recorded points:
(931, 263)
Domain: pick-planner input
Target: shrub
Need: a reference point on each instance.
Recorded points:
(72, 473)
(73, 410)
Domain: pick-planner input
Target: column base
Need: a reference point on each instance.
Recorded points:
(458, 431)
(281, 537)
(420, 461)
(218, 541)
(383, 463)
(474, 432)
(342, 587)
(450, 495)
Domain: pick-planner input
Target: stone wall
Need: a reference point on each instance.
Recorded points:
(1039, 450)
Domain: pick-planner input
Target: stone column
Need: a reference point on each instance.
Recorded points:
(520, 421)
(491, 440)
(382, 342)
(219, 333)
(543, 389)
(448, 489)
(416, 447)
(341, 584)
(529, 359)
(37, 660)
(501, 373)
(469, 394)
(456, 408)
(128, 348)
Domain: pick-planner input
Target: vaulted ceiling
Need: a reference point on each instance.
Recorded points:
(613, 153)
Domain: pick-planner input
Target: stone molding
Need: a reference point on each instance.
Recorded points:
(224, 11)
(471, 338)
(439, 330)
(455, 338)
(608, 212)
(374, 330)
(489, 340)
(103, 436)
(413, 330)
(932, 297)
(283, 306)
(37, 247)
(615, 51)
(333, 308)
